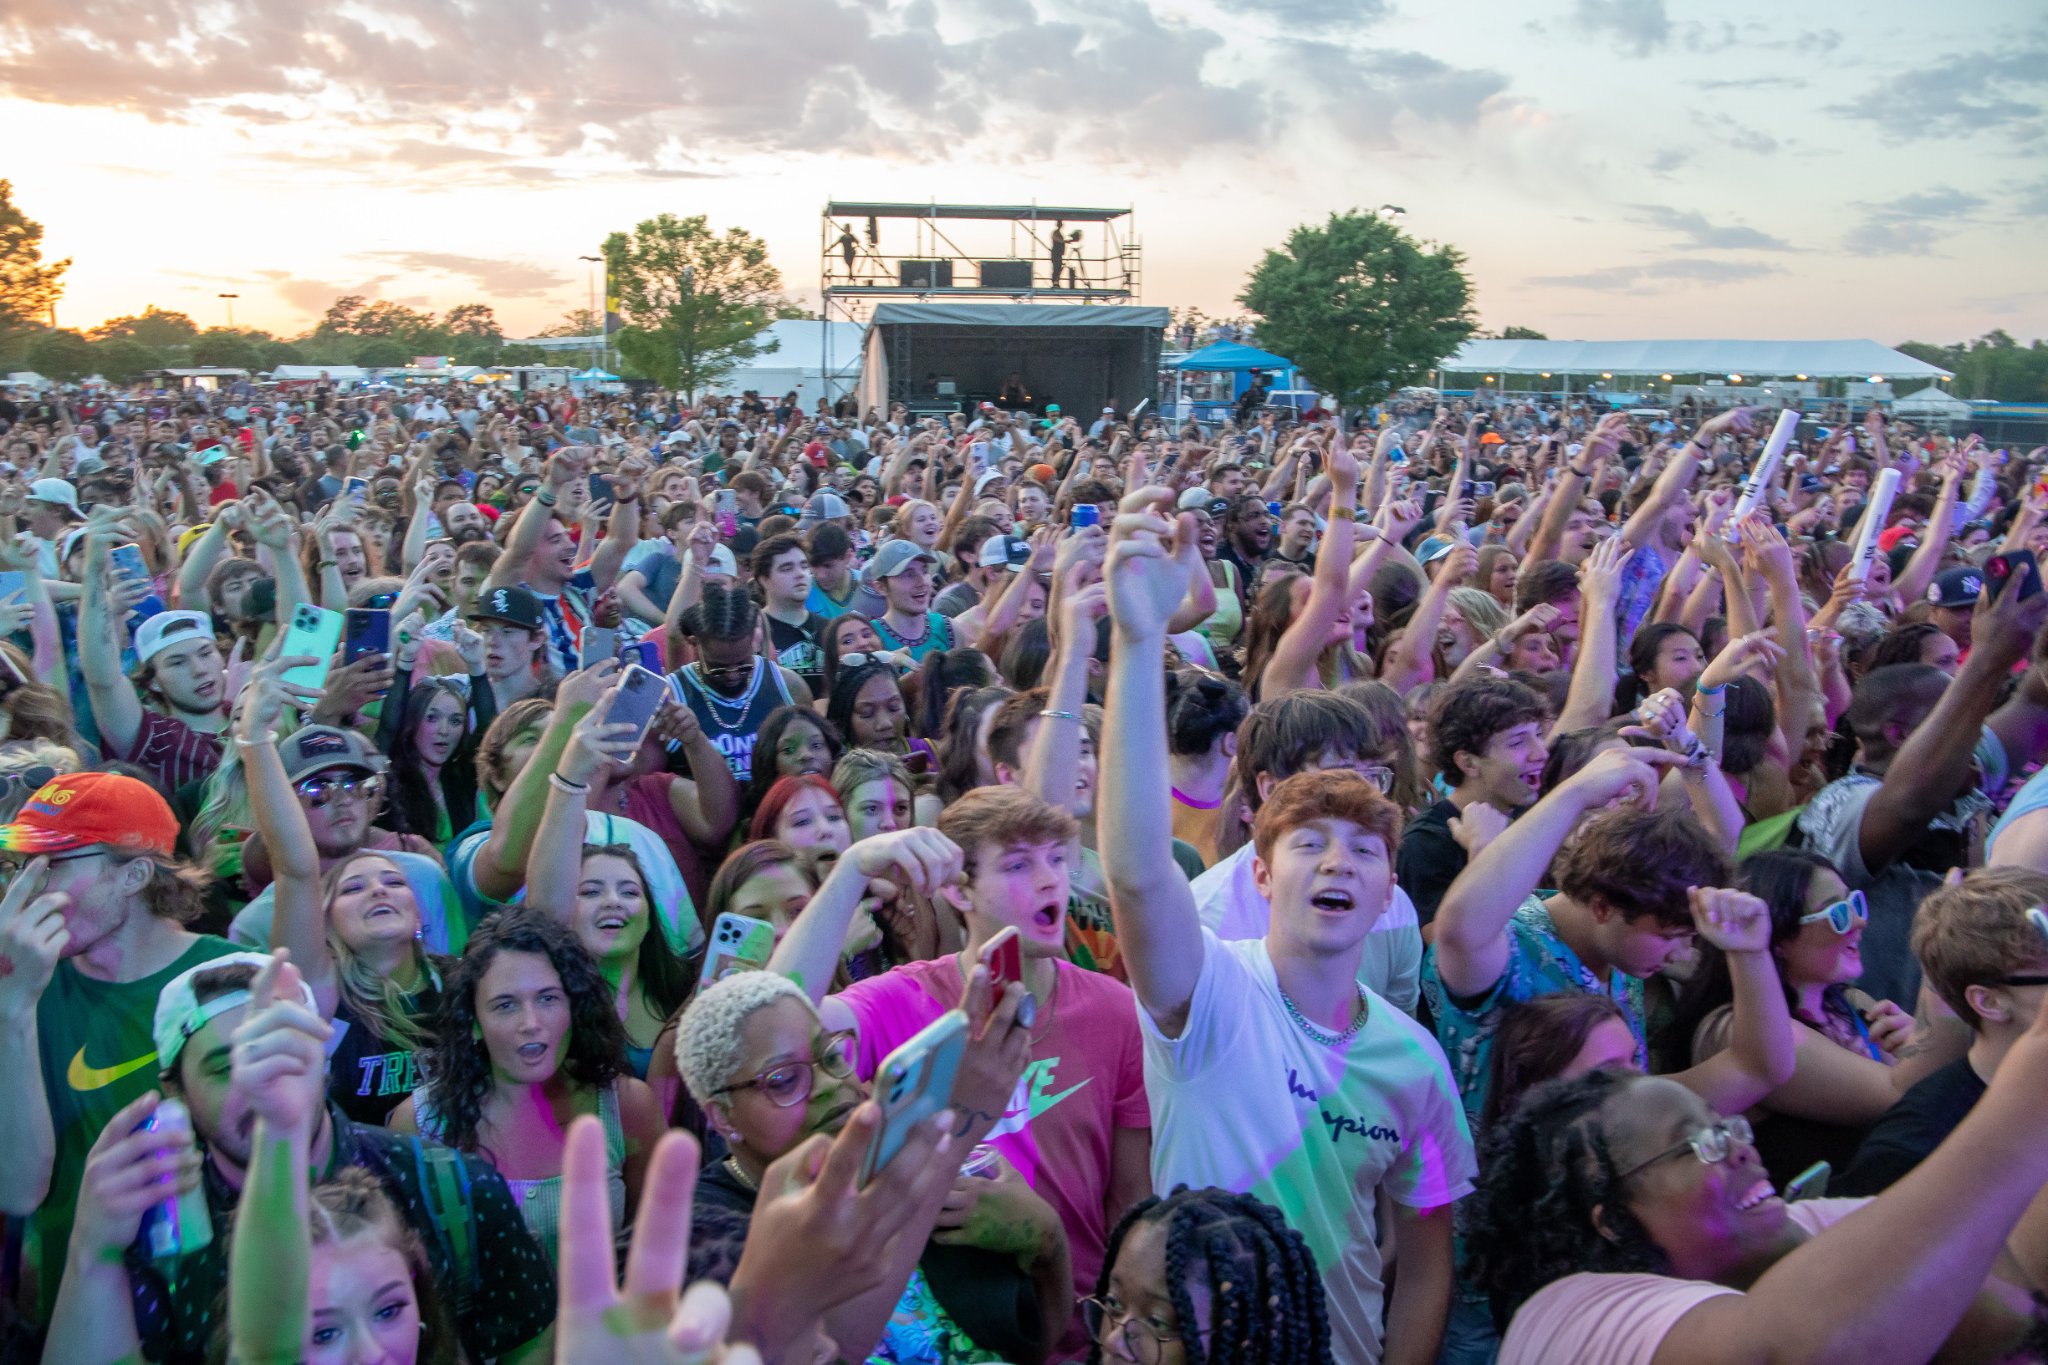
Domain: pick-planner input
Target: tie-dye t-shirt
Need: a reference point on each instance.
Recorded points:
(1246, 1100)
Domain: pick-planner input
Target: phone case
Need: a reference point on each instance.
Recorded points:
(913, 1083)
(598, 644)
(640, 694)
(1004, 956)
(129, 564)
(315, 631)
(645, 653)
(366, 630)
(739, 943)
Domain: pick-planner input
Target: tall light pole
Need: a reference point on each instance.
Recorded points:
(597, 317)
(231, 308)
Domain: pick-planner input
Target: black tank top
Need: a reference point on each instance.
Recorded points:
(734, 723)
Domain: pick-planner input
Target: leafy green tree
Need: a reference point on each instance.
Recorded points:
(1521, 334)
(123, 360)
(158, 328)
(29, 286)
(1994, 366)
(1360, 306)
(383, 353)
(693, 300)
(473, 320)
(577, 322)
(227, 349)
(62, 355)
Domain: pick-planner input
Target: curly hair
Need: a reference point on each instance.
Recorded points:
(1471, 713)
(1641, 862)
(1266, 1303)
(1543, 1170)
(708, 1035)
(458, 1066)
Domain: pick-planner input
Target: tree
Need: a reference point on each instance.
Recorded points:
(62, 355)
(1994, 366)
(123, 360)
(154, 327)
(386, 319)
(29, 288)
(577, 322)
(1521, 334)
(473, 320)
(1360, 306)
(341, 315)
(693, 300)
(227, 349)
(383, 353)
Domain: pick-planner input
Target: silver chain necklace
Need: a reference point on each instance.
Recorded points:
(1317, 1035)
(739, 703)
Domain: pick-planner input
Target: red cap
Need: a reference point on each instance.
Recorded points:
(1889, 538)
(75, 810)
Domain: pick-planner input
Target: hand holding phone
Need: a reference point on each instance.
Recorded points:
(1003, 955)
(640, 696)
(738, 943)
(913, 1083)
(2014, 566)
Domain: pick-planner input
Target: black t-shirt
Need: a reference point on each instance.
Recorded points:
(1430, 859)
(1921, 1120)
(514, 1300)
(797, 649)
(369, 1075)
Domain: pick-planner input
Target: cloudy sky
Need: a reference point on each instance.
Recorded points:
(1612, 168)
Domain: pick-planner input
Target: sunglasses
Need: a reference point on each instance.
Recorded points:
(320, 790)
(1842, 915)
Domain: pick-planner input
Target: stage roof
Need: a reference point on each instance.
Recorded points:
(1019, 315)
(992, 212)
(1750, 359)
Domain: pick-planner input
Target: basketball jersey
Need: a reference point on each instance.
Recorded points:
(734, 723)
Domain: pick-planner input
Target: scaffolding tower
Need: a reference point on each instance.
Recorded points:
(1027, 253)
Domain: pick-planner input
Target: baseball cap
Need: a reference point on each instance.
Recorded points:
(824, 505)
(57, 492)
(1042, 473)
(316, 748)
(1433, 549)
(1889, 538)
(988, 407)
(988, 477)
(1109, 412)
(75, 810)
(723, 562)
(180, 1013)
(1958, 587)
(1193, 498)
(168, 628)
(513, 606)
(1013, 551)
(894, 557)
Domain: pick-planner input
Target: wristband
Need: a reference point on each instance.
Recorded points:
(1343, 514)
(1051, 714)
(1701, 690)
(545, 498)
(326, 563)
(1581, 473)
(563, 784)
(244, 742)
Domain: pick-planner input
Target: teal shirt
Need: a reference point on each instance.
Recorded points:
(1539, 964)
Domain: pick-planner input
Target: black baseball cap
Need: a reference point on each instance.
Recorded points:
(513, 606)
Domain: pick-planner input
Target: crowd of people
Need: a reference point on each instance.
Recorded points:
(1456, 882)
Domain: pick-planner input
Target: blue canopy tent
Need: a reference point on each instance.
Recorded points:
(1214, 401)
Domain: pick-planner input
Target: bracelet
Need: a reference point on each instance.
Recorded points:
(545, 498)
(244, 742)
(1343, 514)
(1051, 714)
(326, 563)
(563, 784)
(1701, 690)
(1581, 473)
(621, 502)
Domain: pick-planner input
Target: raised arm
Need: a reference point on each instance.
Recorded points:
(32, 938)
(115, 706)
(1054, 768)
(1590, 699)
(300, 921)
(554, 859)
(622, 527)
(500, 866)
(1677, 477)
(564, 467)
(919, 858)
(1150, 562)
(1293, 662)
(1762, 1051)
(1472, 919)
(1410, 663)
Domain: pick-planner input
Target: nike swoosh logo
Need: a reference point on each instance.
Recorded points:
(83, 1077)
(1041, 1104)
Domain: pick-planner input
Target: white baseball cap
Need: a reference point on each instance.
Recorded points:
(180, 1013)
(57, 492)
(167, 628)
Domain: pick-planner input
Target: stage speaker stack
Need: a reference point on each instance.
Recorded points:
(925, 274)
(1006, 275)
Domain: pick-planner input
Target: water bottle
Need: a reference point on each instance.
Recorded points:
(181, 1224)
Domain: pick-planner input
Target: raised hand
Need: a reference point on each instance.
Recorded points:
(1622, 776)
(1146, 573)
(920, 858)
(1755, 652)
(1600, 575)
(127, 1173)
(267, 694)
(1733, 921)
(648, 1319)
(1478, 825)
(278, 1053)
(33, 937)
(597, 741)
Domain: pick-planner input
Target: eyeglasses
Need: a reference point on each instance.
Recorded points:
(1841, 915)
(1142, 1338)
(1379, 774)
(320, 790)
(11, 865)
(730, 672)
(1710, 1144)
(789, 1085)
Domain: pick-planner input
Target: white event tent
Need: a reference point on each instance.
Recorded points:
(1861, 360)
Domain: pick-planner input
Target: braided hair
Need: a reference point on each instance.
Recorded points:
(1265, 1294)
(725, 613)
(1543, 1170)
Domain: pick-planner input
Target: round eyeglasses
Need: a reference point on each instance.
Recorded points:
(1710, 1144)
(790, 1084)
(1142, 1338)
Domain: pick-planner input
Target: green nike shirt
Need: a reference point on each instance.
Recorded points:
(97, 1055)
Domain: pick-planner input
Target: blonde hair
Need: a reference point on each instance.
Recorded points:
(1976, 933)
(377, 1000)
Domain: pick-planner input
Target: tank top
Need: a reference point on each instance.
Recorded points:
(734, 723)
(540, 1201)
(1228, 619)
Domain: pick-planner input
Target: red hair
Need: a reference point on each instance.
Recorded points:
(780, 795)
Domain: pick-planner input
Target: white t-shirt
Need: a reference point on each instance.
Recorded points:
(1622, 1319)
(1229, 902)
(1243, 1099)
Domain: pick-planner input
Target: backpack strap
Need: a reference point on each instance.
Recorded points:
(444, 1184)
